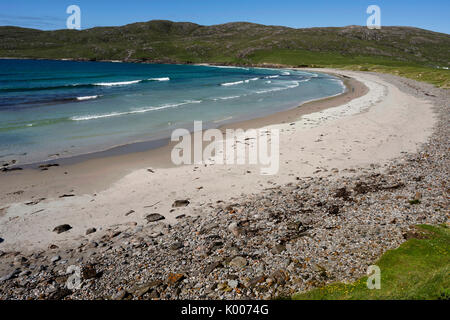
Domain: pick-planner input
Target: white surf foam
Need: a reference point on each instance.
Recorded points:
(87, 98)
(121, 83)
(159, 79)
(141, 110)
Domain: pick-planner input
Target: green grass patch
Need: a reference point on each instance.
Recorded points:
(303, 58)
(418, 269)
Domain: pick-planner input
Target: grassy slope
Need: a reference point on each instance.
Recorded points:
(409, 52)
(418, 269)
(438, 77)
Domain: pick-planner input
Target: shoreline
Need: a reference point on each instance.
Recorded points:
(152, 153)
(250, 121)
(315, 228)
(99, 192)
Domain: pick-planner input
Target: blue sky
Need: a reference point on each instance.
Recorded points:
(51, 14)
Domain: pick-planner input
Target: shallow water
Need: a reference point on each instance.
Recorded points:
(69, 108)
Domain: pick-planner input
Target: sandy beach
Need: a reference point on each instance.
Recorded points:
(370, 124)
(357, 173)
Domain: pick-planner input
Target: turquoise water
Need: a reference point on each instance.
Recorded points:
(70, 108)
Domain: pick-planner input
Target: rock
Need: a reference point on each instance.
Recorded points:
(35, 202)
(55, 259)
(88, 272)
(279, 248)
(128, 213)
(333, 210)
(224, 287)
(146, 288)
(253, 282)
(11, 169)
(60, 294)
(53, 246)
(115, 234)
(90, 230)
(62, 228)
(233, 284)
(238, 262)
(154, 217)
(212, 266)
(20, 260)
(46, 166)
(2, 240)
(176, 246)
(24, 273)
(342, 193)
(122, 295)
(180, 203)
(234, 229)
(362, 188)
(11, 275)
(67, 195)
(174, 278)
(280, 277)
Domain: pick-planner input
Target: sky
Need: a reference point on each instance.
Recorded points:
(51, 14)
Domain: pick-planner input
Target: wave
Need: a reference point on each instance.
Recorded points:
(226, 98)
(88, 98)
(294, 85)
(142, 110)
(121, 83)
(272, 77)
(227, 84)
(82, 85)
(159, 79)
(227, 67)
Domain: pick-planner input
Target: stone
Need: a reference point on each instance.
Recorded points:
(60, 294)
(238, 262)
(88, 272)
(90, 230)
(139, 292)
(212, 266)
(153, 217)
(122, 295)
(233, 284)
(55, 259)
(11, 275)
(234, 229)
(128, 213)
(46, 166)
(2, 240)
(62, 228)
(333, 210)
(174, 278)
(20, 260)
(180, 203)
(279, 248)
(176, 246)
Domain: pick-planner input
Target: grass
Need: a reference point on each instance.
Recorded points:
(418, 269)
(437, 77)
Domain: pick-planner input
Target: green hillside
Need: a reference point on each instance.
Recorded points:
(391, 49)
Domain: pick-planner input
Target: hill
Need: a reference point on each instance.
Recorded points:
(235, 43)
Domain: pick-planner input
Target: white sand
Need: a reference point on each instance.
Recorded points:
(370, 129)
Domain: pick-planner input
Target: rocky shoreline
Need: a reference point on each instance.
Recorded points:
(290, 238)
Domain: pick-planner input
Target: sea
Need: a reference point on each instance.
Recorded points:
(61, 109)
